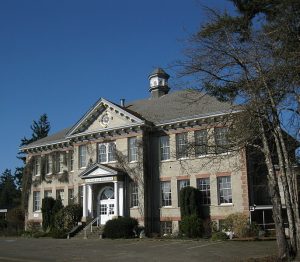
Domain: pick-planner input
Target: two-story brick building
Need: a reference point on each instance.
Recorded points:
(132, 159)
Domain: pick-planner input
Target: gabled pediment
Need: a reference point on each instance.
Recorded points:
(102, 116)
(98, 170)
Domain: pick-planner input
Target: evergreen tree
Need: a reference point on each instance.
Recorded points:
(40, 129)
(9, 194)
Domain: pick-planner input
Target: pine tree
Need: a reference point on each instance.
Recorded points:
(9, 194)
(40, 129)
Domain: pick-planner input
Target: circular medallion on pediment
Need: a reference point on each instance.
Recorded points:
(104, 120)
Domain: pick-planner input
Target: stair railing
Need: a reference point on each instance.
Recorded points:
(90, 225)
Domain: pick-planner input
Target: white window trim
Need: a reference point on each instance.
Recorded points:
(129, 150)
(170, 192)
(106, 152)
(79, 157)
(160, 149)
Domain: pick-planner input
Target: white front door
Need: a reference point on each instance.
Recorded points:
(106, 205)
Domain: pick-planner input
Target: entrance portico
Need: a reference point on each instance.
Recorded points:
(103, 193)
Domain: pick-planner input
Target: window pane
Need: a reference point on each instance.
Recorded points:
(203, 184)
(82, 156)
(71, 162)
(36, 201)
(180, 185)
(201, 142)
(60, 194)
(134, 194)
(181, 145)
(166, 193)
(48, 193)
(224, 186)
(132, 149)
(70, 196)
(221, 139)
(102, 153)
(111, 152)
(164, 147)
(80, 195)
(166, 227)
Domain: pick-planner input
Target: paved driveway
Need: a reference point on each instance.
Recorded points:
(33, 250)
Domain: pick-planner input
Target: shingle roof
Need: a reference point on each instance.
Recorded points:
(56, 137)
(178, 105)
(174, 106)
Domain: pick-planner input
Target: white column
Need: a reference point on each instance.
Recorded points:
(90, 200)
(84, 211)
(116, 191)
(121, 198)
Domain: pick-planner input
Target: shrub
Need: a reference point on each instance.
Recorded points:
(218, 236)
(66, 218)
(237, 223)
(72, 215)
(47, 212)
(121, 227)
(189, 201)
(191, 226)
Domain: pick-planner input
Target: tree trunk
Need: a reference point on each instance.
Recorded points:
(275, 197)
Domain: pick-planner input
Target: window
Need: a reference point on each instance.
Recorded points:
(82, 156)
(80, 195)
(56, 162)
(164, 143)
(61, 162)
(201, 144)
(60, 194)
(48, 193)
(71, 160)
(70, 196)
(221, 139)
(48, 164)
(36, 201)
(36, 162)
(224, 190)
(107, 152)
(180, 185)
(134, 195)
(166, 193)
(166, 227)
(132, 149)
(181, 145)
(203, 184)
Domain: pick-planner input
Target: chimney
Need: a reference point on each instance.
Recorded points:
(158, 83)
(122, 102)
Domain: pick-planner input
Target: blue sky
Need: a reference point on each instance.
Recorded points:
(58, 57)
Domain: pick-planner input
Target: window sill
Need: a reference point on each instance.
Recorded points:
(182, 158)
(132, 162)
(37, 211)
(37, 175)
(83, 167)
(108, 162)
(135, 207)
(226, 204)
(167, 207)
(166, 160)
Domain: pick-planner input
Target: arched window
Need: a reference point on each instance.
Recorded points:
(108, 193)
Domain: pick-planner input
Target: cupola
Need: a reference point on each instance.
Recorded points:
(158, 83)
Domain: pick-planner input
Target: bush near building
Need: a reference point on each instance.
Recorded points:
(191, 224)
(121, 227)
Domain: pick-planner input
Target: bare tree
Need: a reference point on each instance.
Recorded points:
(248, 74)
